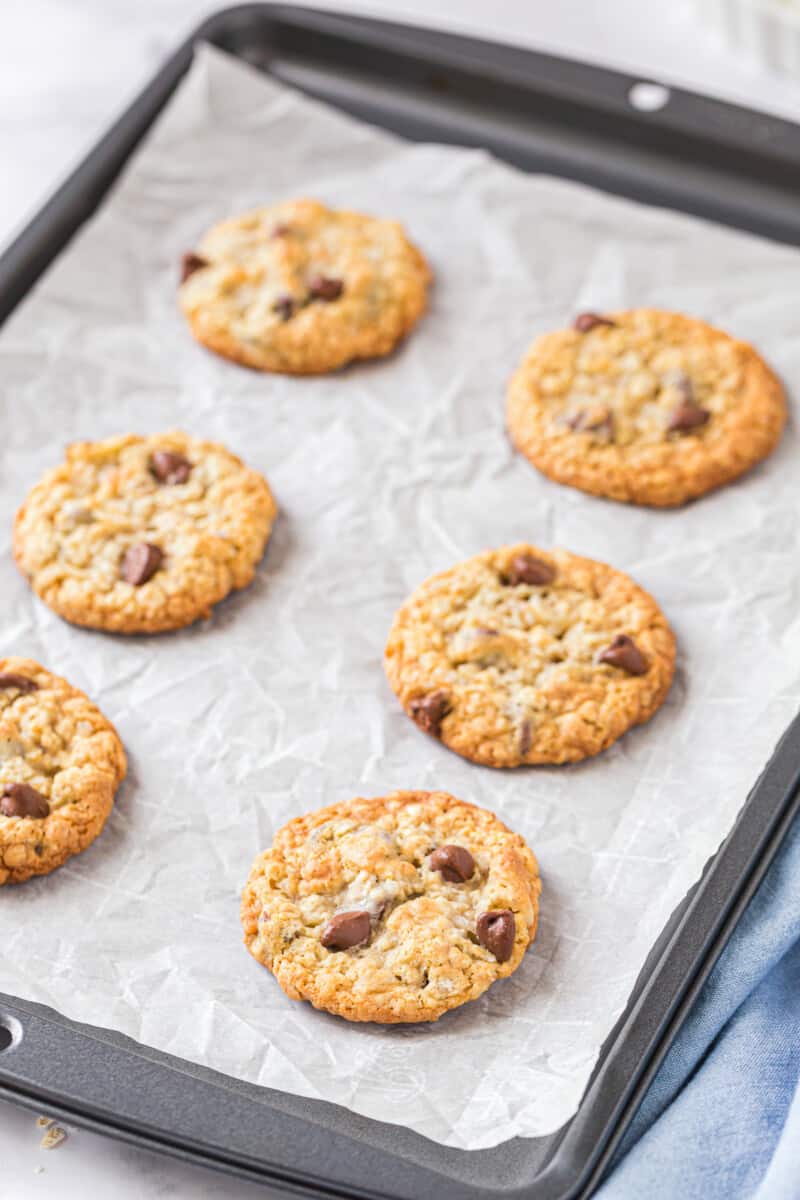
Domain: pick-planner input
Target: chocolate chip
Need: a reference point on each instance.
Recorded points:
(141, 563)
(429, 711)
(454, 863)
(589, 320)
(22, 800)
(525, 736)
(284, 307)
(686, 416)
(9, 679)
(190, 263)
(346, 930)
(496, 931)
(624, 653)
(597, 421)
(526, 568)
(169, 467)
(321, 287)
(281, 231)
(485, 631)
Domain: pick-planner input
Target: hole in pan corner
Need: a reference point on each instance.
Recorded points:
(10, 1032)
(648, 97)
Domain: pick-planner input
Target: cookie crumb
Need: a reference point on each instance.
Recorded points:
(54, 1136)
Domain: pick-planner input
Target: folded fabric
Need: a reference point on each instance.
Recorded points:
(721, 1120)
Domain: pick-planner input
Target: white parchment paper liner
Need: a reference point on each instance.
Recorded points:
(385, 473)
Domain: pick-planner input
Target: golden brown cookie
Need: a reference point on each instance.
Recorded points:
(397, 908)
(644, 406)
(61, 763)
(143, 534)
(521, 655)
(303, 289)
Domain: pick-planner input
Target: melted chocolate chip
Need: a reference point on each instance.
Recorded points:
(284, 306)
(169, 467)
(525, 736)
(526, 568)
(190, 263)
(624, 653)
(281, 231)
(141, 563)
(454, 863)
(688, 415)
(346, 930)
(589, 320)
(429, 712)
(321, 287)
(496, 931)
(22, 800)
(9, 679)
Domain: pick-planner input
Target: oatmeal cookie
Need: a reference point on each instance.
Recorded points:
(644, 406)
(303, 289)
(521, 655)
(143, 534)
(392, 909)
(61, 763)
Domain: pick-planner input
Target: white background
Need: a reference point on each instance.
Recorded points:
(66, 69)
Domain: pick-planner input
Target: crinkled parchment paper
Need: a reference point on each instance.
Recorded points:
(385, 473)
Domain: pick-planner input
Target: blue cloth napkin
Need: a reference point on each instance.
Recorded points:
(721, 1120)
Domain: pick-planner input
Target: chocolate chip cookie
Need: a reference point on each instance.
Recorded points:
(644, 406)
(393, 909)
(522, 655)
(303, 289)
(143, 534)
(61, 763)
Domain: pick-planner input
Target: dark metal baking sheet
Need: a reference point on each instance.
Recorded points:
(544, 114)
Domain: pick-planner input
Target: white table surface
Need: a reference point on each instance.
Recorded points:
(67, 67)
